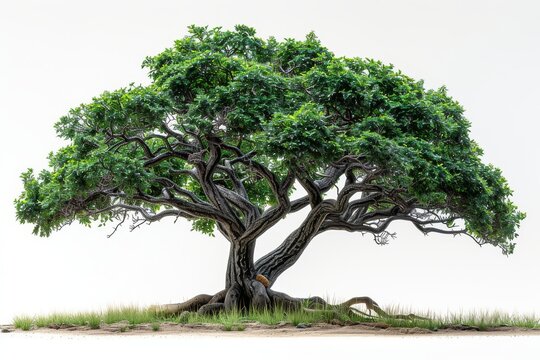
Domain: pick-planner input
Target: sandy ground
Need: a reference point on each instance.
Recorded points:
(282, 330)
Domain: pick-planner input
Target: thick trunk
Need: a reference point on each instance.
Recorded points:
(243, 291)
(240, 267)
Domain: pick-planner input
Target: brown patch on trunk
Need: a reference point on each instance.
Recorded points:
(263, 280)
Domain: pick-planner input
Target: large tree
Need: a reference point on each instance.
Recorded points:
(231, 124)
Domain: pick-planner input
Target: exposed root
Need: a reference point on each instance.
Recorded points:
(211, 309)
(284, 301)
(361, 313)
(192, 304)
(218, 297)
(260, 299)
(233, 299)
(317, 304)
(264, 298)
(370, 304)
(373, 306)
(315, 301)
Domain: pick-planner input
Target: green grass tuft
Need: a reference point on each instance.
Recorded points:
(23, 322)
(93, 320)
(132, 314)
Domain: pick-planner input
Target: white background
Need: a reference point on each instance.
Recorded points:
(58, 54)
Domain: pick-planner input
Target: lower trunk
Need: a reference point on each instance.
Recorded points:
(244, 291)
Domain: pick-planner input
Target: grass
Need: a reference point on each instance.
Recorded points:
(131, 314)
(480, 320)
(90, 319)
(235, 321)
(23, 322)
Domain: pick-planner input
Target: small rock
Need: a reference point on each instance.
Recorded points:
(124, 324)
(60, 326)
(414, 330)
(337, 322)
(375, 325)
(303, 326)
(6, 330)
(461, 327)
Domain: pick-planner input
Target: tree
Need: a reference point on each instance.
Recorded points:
(231, 123)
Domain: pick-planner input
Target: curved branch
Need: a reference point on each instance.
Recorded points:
(329, 179)
(174, 186)
(129, 139)
(238, 185)
(251, 212)
(205, 172)
(192, 209)
(141, 210)
(313, 191)
(287, 253)
(164, 156)
(271, 216)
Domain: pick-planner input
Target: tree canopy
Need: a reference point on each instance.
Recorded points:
(230, 123)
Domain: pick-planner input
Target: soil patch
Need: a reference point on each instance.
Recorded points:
(281, 330)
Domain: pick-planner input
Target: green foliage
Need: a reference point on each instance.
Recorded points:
(301, 136)
(293, 102)
(53, 196)
(124, 111)
(205, 226)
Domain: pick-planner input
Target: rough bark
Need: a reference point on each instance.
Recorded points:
(243, 290)
(284, 256)
(240, 266)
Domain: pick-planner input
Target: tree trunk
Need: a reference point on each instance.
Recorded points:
(240, 267)
(243, 291)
